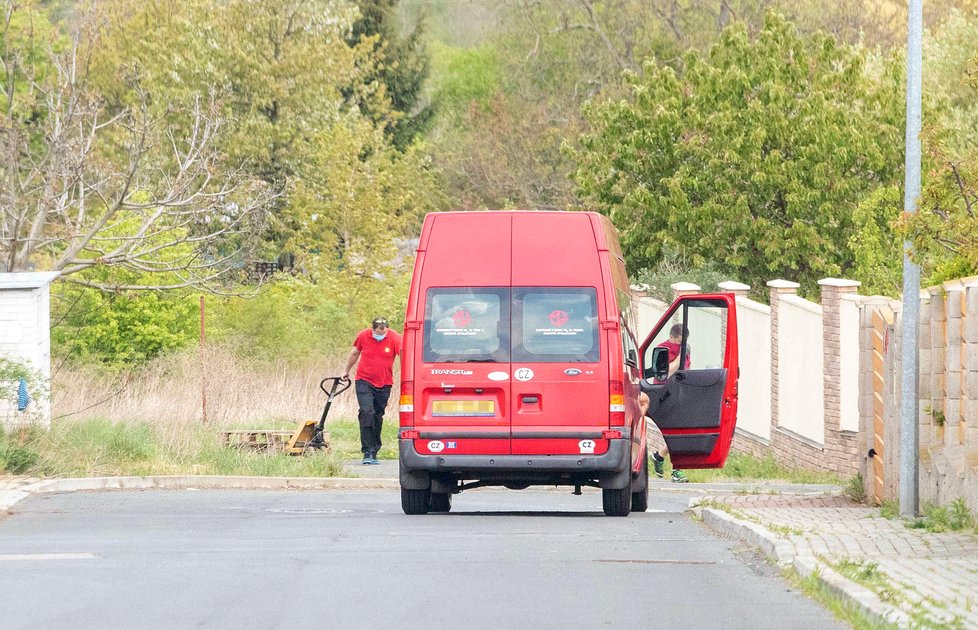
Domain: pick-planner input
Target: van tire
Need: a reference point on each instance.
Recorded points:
(640, 499)
(616, 502)
(441, 502)
(415, 501)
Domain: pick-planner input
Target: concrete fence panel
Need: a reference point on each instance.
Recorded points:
(800, 368)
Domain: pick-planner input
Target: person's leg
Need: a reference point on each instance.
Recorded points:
(677, 475)
(381, 396)
(365, 400)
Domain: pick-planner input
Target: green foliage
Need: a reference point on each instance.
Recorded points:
(890, 509)
(402, 66)
(672, 269)
(18, 454)
(877, 248)
(742, 466)
(303, 317)
(464, 77)
(751, 157)
(944, 230)
(122, 328)
(856, 488)
(97, 447)
(938, 518)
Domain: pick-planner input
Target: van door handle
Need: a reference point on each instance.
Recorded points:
(531, 399)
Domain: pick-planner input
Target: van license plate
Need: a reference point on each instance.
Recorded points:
(463, 408)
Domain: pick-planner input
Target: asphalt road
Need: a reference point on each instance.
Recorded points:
(351, 559)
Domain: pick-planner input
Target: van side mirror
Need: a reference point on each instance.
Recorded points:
(660, 364)
(632, 358)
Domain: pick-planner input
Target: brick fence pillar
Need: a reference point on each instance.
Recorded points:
(777, 288)
(841, 450)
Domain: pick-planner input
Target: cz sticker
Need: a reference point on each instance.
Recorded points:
(586, 446)
(436, 446)
(523, 374)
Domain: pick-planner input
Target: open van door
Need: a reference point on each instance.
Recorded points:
(690, 372)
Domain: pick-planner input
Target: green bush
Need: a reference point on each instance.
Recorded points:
(125, 328)
(18, 454)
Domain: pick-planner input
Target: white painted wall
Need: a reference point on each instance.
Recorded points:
(754, 341)
(648, 313)
(25, 322)
(849, 363)
(801, 368)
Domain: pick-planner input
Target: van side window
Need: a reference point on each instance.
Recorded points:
(467, 325)
(552, 325)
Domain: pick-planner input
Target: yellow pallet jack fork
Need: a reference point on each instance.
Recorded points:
(310, 434)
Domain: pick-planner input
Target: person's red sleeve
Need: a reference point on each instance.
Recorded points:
(358, 342)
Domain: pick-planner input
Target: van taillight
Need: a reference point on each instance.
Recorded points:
(406, 405)
(616, 408)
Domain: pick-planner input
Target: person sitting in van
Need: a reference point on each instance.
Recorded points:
(674, 345)
(375, 348)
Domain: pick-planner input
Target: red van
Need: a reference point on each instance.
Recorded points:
(521, 365)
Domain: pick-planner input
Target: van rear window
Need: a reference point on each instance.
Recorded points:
(555, 325)
(495, 324)
(467, 325)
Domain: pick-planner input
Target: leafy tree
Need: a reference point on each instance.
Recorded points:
(402, 66)
(86, 188)
(752, 157)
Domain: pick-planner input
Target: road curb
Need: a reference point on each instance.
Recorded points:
(784, 553)
(185, 482)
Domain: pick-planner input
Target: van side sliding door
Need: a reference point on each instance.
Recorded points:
(690, 373)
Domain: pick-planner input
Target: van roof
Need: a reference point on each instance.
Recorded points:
(516, 248)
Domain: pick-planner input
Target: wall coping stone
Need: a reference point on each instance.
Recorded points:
(733, 286)
(783, 284)
(27, 279)
(839, 282)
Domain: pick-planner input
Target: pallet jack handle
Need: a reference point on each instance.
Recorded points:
(332, 392)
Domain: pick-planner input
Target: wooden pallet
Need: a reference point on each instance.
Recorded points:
(261, 440)
(273, 440)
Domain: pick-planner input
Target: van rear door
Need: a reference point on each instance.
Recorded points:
(560, 387)
(690, 373)
(462, 386)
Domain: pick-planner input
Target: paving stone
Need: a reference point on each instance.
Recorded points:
(935, 575)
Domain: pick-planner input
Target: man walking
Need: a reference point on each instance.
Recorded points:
(375, 348)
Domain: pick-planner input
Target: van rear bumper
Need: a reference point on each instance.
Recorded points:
(612, 467)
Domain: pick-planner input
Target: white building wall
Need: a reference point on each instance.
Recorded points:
(801, 368)
(25, 316)
(849, 363)
(754, 341)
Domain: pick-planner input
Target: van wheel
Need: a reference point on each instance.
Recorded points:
(616, 502)
(415, 501)
(441, 502)
(640, 499)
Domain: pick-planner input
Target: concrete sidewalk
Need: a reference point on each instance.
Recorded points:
(907, 577)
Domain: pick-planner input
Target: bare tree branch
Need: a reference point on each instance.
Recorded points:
(89, 188)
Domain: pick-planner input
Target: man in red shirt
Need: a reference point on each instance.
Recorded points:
(375, 348)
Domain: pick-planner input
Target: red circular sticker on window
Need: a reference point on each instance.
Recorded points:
(558, 318)
(461, 318)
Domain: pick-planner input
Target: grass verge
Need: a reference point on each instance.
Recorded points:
(95, 448)
(843, 610)
(744, 467)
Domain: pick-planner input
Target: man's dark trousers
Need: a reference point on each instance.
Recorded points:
(372, 401)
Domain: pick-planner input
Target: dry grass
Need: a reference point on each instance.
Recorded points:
(167, 392)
